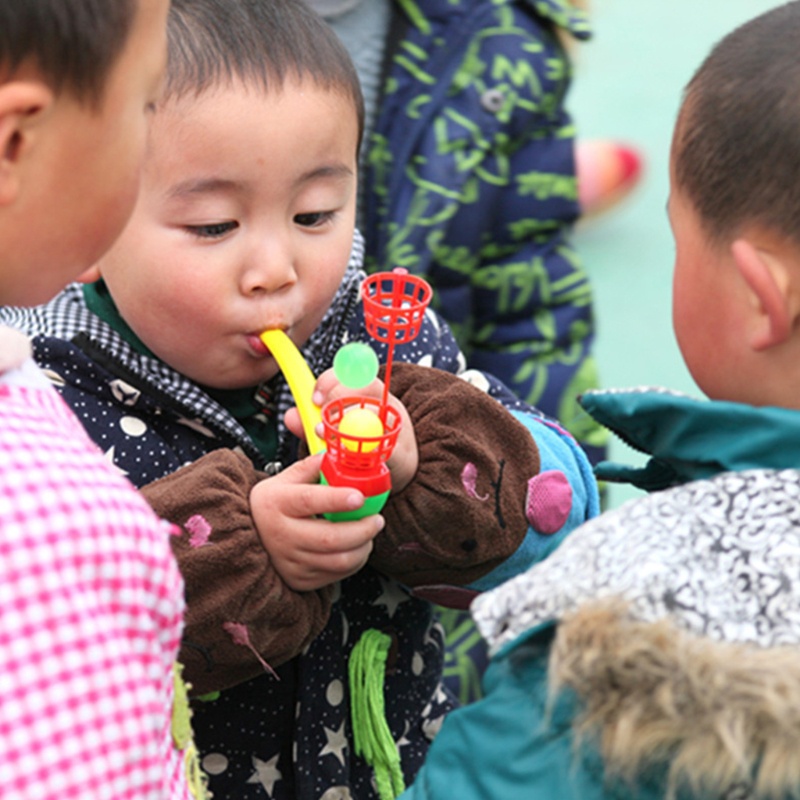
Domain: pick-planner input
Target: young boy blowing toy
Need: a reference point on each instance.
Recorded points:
(656, 653)
(91, 600)
(245, 222)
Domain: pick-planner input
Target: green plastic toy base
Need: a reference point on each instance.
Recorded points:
(372, 505)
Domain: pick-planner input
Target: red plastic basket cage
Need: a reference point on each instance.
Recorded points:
(355, 457)
(394, 305)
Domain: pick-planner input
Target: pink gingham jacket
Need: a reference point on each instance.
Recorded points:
(91, 606)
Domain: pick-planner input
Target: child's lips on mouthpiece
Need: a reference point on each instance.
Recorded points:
(254, 340)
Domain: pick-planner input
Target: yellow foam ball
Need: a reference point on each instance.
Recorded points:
(360, 422)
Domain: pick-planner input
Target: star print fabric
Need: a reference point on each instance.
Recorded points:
(415, 704)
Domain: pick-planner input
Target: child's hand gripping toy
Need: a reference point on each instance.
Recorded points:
(359, 432)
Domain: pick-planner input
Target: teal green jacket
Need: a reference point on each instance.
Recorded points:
(656, 652)
(512, 746)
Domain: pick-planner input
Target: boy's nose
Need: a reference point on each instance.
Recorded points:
(266, 273)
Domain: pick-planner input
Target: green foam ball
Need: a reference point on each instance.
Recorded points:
(356, 365)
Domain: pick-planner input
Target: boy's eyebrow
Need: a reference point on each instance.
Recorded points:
(326, 171)
(208, 185)
(202, 186)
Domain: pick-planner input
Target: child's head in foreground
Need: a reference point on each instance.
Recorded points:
(246, 214)
(76, 78)
(735, 213)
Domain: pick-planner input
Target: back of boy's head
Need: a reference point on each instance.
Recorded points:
(737, 141)
(261, 43)
(72, 43)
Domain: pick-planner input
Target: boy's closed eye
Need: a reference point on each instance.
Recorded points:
(313, 219)
(212, 230)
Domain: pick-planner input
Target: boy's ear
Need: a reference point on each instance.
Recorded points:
(769, 280)
(22, 103)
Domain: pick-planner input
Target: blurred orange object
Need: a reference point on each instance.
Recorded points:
(607, 172)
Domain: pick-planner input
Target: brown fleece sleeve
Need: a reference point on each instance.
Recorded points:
(464, 512)
(241, 617)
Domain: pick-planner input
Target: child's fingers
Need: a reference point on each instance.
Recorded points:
(328, 388)
(326, 552)
(331, 538)
(337, 566)
(325, 382)
(293, 422)
(311, 501)
(301, 494)
(322, 570)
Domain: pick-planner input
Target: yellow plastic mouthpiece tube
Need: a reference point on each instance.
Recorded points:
(301, 383)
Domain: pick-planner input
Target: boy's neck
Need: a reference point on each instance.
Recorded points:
(242, 404)
(239, 402)
(101, 304)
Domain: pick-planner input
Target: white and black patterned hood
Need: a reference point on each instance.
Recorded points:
(719, 557)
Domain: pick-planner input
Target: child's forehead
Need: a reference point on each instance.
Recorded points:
(243, 110)
(218, 90)
(249, 101)
(248, 135)
(225, 105)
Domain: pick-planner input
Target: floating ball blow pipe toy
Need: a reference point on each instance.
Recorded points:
(359, 432)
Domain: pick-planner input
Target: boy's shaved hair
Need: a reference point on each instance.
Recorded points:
(73, 43)
(736, 149)
(259, 42)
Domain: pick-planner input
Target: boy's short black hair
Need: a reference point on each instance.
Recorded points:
(74, 43)
(736, 149)
(260, 42)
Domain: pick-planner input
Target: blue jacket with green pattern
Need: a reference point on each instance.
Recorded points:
(471, 173)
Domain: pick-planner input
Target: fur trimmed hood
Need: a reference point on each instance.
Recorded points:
(726, 716)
